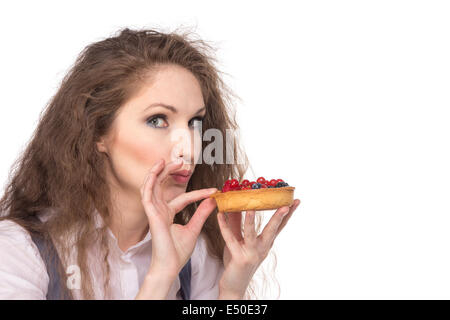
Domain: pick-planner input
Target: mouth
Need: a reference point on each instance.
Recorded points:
(181, 179)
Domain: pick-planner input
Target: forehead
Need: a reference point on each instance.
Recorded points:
(169, 84)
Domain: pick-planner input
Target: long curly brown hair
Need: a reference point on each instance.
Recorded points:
(61, 167)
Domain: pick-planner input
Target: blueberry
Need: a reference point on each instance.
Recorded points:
(256, 185)
(281, 184)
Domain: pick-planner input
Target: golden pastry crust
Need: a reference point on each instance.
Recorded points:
(254, 199)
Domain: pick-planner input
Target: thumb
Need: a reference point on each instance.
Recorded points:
(203, 211)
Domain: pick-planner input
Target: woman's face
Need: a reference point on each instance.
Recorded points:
(144, 131)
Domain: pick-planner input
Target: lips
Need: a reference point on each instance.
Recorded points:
(184, 173)
(181, 176)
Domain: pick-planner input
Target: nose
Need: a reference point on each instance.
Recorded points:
(185, 145)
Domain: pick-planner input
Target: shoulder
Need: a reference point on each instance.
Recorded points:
(14, 235)
(9, 230)
(22, 272)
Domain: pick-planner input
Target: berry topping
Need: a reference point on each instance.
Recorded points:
(234, 183)
(281, 184)
(261, 180)
(260, 183)
(273, 182)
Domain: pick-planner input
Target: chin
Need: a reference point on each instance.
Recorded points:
(173, 191)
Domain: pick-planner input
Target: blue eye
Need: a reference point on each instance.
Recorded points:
(157, 121)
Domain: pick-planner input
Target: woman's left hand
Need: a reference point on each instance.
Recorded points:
(244, 253)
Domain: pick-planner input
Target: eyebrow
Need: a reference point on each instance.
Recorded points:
(169, 107)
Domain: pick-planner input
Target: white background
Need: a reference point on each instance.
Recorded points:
(346, 100)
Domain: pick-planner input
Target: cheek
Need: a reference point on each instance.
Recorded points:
(138, 150)
(132, 157)
(142, 152)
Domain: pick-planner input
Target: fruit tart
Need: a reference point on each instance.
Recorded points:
(261, 194)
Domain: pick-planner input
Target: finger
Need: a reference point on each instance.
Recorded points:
(249, 228)
(158, 227)
(155, 165)
(162, 177)
(227, 233)
(180, 202)
(270, 230)
(147, 188)
(156, 168)
(289, 215)
(200, 215)
(234, 220)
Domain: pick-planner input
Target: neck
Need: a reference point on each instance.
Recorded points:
(128, 223)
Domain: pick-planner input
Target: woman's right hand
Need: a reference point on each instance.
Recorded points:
(172, 244)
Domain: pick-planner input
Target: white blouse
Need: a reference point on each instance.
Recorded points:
(23, 274)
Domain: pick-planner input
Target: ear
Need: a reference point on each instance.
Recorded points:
(101, 146)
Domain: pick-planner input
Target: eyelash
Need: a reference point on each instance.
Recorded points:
(164, 117)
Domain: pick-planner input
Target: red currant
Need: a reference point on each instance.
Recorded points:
(273, 182)
(233, 183)
(261, 180)
(226, 188)
(245, 182)
(263, 186)
(227, 183)
(280, 180)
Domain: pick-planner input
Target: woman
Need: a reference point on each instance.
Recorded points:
(100, 179)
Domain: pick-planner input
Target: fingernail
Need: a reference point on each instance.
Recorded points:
(212, 190)
(286, 211)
